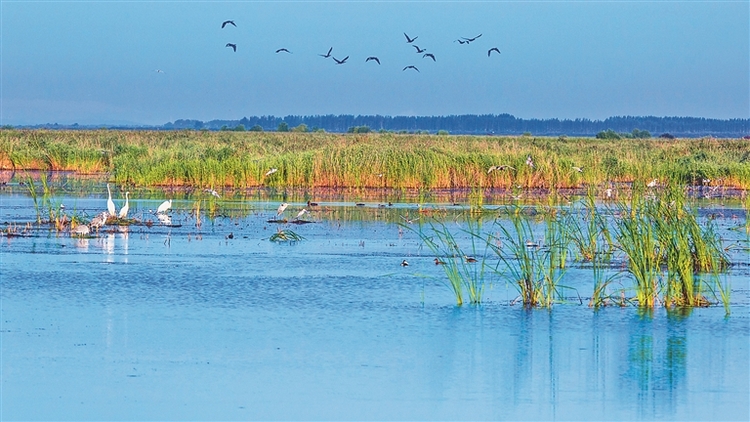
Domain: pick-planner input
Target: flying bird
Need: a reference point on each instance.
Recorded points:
(212, 192)
(284, 50)
(468, 40)
(409, 40)
(578, 169)
(491, 50)
(419, 50)
(529, 162)
(272, 171)
(410, 67)
(342, 61)
(158, 71)
(234, 46)
(328, 54)
(166, 205)
(430, 55)
(301, 213)
(225, 23)
(281, 209)
(499, 168)
(404, 263)
(372, 58)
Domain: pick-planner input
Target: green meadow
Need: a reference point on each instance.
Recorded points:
(374, 160)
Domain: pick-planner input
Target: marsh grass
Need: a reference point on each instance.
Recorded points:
(285, 235)
(241, 159)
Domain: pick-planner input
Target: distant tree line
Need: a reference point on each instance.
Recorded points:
(500, 124)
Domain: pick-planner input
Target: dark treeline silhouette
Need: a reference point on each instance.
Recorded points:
(500, 124)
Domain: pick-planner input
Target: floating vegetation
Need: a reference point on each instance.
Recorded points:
(285, 235)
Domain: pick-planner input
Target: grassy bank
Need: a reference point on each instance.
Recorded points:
(241, 159)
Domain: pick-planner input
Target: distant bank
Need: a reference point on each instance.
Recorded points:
(484, 124)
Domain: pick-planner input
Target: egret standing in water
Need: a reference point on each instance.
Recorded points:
(164, 206)
(110, 204)
(125, 208)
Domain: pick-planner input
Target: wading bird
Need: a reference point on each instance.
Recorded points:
(225, 23)
(409, 40)
(301, 213)
(272, 171)
(328, 54)
(281, 209)
(234, 46)
(99, 220)
(430, 55)
(491, 50)
(342, 61)
(110, 204)
(284, 50)
(166, 205)
(410, 67)
(80, 230)
(372, 58)
(125, 208)
(419, 50)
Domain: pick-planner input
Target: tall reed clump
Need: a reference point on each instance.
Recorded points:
(661, 232)
(528, 264)
(466, 272)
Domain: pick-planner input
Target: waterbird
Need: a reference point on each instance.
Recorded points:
(212, 192)
(491, 50)
(80, 230)
(468, 40)
(470, 258)
(281, 209)
(234, 46)
(410, 40)
(608, 193)
(372, 58)
(328, 54)
(419, 50)
(410, 67)
(499, 168)
(430, 55)
(164, 206)
(301, 213)
(529, 162)
(404, 263)
(125, 208)
(158, 71)
(283, 50)
(99, 220)
(532, 244)
(578, 169)
(439, 262)
(110, 203)
(225, 23)
(312, 204)
(653, 183)
(342, 61)
(272, 171)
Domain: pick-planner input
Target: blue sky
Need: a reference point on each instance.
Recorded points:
(94, 62)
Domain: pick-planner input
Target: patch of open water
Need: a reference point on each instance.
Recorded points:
(187, 323)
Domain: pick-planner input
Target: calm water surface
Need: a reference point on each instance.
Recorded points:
(186, 323)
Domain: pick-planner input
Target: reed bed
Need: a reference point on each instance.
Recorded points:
(242, 159)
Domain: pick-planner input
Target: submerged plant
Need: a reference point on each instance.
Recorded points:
(285, 235)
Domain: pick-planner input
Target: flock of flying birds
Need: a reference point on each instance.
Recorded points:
(409, 40)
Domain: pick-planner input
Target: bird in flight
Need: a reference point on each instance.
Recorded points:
(281, 209)
(430, 55)
(328, 54)
(272, 171)
(283, 50)
(409, 40)
(578, 169)
(468, 40)
(225, 23)
(499, 168)
(410, 67)
(159, 71)
(491, 50)
(342, 61)
(234, 46)
(419, 50)
(372, 58)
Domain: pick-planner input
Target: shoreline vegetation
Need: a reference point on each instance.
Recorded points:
(375, 160)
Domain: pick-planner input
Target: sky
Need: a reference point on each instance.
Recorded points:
(96, 62)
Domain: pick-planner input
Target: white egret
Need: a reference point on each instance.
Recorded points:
(164, 206)
(281, 209)
(125, 208)
(301, 213)
(110, 204)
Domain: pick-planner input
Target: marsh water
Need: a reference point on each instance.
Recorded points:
(179, 320)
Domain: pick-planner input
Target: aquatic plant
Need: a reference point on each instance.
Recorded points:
(285, 235)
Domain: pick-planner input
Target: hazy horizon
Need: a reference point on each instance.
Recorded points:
(96, 62)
